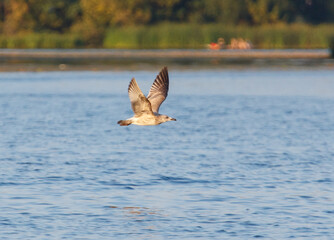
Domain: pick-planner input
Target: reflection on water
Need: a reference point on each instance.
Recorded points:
(251, 156)
(136, 65)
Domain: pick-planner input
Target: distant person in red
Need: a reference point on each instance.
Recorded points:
(219, 45)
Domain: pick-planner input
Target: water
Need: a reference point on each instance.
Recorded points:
(251, 156)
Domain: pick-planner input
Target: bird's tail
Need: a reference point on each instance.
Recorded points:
(124, 122)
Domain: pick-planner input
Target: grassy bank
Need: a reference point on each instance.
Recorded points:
(166, 36)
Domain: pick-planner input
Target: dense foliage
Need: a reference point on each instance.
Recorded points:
(90, 22)
(62, 15)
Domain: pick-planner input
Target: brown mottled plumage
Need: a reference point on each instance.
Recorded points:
(146, 109)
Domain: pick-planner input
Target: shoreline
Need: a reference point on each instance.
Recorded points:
(40, 60)
(103, 54)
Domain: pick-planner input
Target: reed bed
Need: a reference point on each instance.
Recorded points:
(42, 40)
(193, 36)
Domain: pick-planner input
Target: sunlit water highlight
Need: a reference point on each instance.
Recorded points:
(251, 156)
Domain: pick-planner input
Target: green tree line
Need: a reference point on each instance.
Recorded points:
(92, 19)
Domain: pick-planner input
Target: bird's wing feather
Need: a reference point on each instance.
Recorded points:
(139, 103)
(159, 90)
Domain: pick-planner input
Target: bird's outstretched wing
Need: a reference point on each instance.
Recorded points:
(139, 103)
(159, 90)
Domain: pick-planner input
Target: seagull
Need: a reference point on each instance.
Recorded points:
(146, 109)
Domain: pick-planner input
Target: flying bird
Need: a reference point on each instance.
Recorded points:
(146, 109)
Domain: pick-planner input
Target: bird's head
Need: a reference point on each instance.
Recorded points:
(165, 118)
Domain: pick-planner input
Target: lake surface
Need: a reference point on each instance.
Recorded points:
(250, 156)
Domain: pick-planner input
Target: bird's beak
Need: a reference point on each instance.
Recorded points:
(173, 119)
